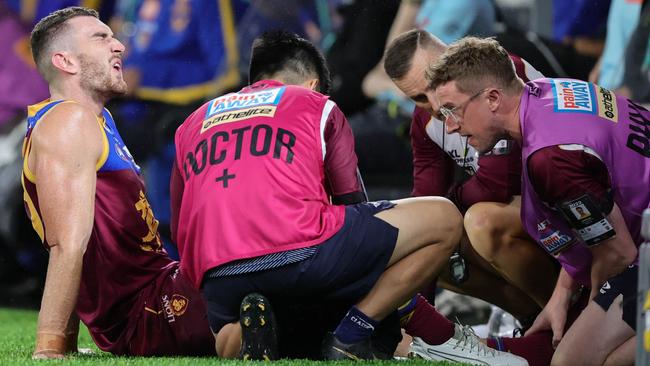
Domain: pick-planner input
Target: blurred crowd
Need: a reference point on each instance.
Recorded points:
(183, 52)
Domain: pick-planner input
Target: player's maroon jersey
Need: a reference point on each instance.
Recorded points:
(253, 166)
(124, 263)
(435, 152)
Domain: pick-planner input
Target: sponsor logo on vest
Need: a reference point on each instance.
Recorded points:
(238, 115)
(235, 101)
(552, 240)
(607, 107)
(573, 96)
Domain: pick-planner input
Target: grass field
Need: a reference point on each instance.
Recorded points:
(17, 329)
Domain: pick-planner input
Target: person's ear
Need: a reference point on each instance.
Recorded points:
(65, 62)
(495, 97)
(312, 84)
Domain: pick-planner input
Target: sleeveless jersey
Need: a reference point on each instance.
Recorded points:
(124, 252)
(566, 111)
(252, 164)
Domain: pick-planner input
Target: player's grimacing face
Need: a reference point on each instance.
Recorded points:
(100, 56)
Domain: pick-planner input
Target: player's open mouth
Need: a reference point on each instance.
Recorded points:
(117, 66)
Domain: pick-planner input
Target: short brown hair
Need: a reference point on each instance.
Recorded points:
(48, 28)
(399, 53)
(473, 62)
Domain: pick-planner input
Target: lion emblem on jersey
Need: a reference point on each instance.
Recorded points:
(179, 304)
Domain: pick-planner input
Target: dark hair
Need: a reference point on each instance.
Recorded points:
(399, 53)
(281, 52)
(48, 28)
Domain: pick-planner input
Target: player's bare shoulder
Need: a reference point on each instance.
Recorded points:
(68, 129)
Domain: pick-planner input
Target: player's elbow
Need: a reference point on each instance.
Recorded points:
(69, 246)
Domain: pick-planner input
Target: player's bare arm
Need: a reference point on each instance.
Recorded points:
(65, 149)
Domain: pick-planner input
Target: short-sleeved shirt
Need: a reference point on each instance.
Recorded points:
(255, 171)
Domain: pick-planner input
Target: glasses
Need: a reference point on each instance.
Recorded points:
(446, 112)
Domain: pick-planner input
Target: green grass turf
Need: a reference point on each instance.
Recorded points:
(18, 327)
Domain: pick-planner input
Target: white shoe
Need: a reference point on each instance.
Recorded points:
(464, 347)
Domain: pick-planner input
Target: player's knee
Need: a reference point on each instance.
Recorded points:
(485, 230)
(480, 218)
(430, 221)
(451, 225)
(454, 218)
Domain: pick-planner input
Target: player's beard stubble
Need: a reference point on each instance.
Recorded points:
(99, 80)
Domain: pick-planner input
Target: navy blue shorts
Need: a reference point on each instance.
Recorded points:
(624, 284)
(343, 268)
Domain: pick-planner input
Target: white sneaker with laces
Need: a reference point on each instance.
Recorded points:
(464, 347)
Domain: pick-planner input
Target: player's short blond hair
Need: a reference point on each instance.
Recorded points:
(473, 63)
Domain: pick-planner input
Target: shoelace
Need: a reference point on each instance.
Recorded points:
(470, 338)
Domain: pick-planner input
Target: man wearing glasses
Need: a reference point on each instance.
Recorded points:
(497, 251)
(582, 146)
